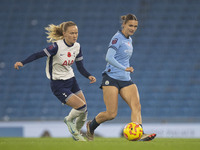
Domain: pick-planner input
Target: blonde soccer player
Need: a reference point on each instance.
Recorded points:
(61, 55)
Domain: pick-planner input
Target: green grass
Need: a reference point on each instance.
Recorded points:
(98, 144)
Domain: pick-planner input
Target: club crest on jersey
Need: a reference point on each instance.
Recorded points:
(114, 41)
(107, 82)
(50, 47)
(69, 62)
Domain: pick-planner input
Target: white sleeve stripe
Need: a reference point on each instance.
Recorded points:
(48, 54)
(79, 59)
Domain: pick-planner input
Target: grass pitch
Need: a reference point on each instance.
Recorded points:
(97, 144)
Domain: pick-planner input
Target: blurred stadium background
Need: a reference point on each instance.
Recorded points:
(166, 57)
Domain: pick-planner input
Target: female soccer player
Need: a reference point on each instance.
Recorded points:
(60, 57)
(116, 79)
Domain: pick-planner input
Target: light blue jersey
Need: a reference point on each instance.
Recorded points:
(124, 49)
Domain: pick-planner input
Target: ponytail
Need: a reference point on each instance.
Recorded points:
(55, 32)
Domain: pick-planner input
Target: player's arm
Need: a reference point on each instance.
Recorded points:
(83, 71)
(81, 68)
(51, 50)
(29, 59)
(110, 58)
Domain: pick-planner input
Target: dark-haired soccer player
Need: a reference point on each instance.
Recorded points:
(117, 80)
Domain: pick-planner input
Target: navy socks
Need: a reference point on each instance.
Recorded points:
(93, 125)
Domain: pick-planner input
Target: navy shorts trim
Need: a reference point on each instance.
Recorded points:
(108, 81)
(64, 89)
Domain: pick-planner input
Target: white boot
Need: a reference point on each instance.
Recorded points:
(71, 126)
(72, 129)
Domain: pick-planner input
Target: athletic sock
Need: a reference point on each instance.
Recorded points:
(74, 113)
(81, 120)
(93, 125)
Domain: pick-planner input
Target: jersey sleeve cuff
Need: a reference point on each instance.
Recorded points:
(113, 47)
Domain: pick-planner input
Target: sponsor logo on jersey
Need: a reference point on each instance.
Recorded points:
(128, 51)
(69, 62)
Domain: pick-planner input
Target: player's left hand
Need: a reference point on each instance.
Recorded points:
(129, 69)
(17, 65)
(92, 79)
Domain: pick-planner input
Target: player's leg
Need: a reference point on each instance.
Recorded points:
(80, 120)
(74, 101)
(130, 95)
(80, 95)
(63, 91)
(83, 117)
(110, 95)
(78, 108)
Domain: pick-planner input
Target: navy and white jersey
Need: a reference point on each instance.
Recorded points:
(124, 49)
(60, 58)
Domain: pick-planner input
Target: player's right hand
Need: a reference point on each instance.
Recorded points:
(17, 65)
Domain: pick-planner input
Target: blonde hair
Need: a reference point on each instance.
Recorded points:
(126, 18)
(55, 32)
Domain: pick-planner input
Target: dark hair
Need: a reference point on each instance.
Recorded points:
(128, 17)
